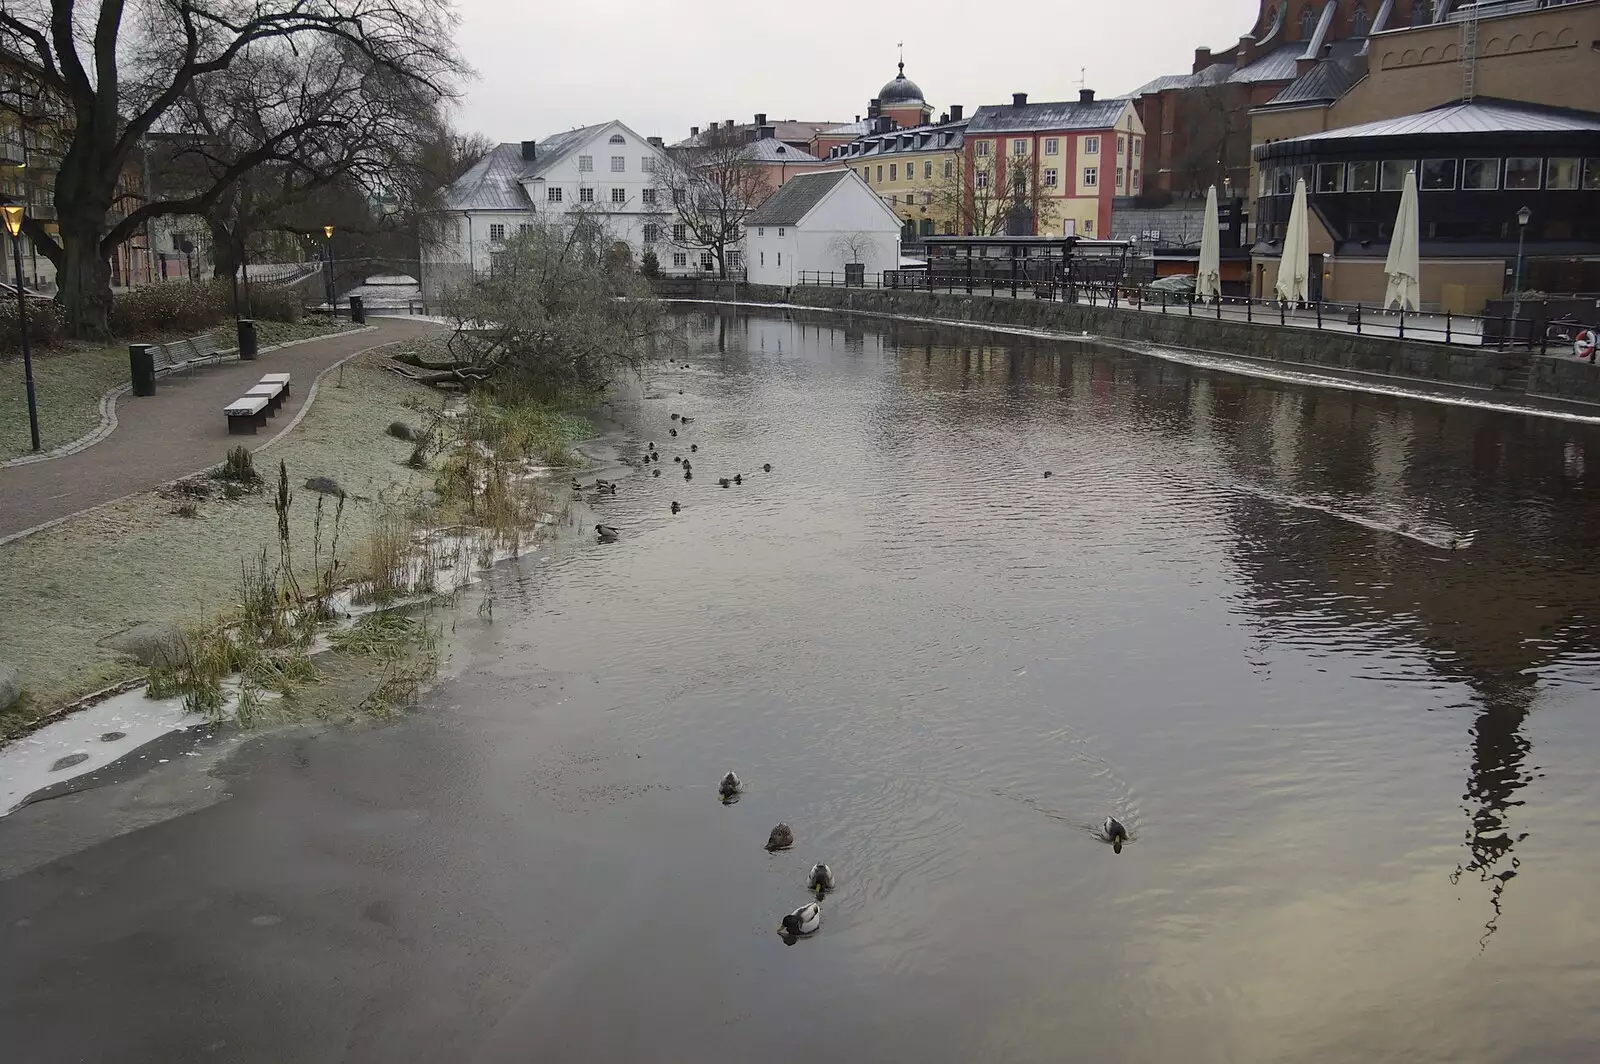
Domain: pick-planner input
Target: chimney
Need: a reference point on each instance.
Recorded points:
(1086, 96)
(766, 132)
(527, 151)
(944, 118)
(1019, 99)
(873, 106)
(858, 118)
(727, 123)
(1202, 59)
(655, 142)
(761, 119)
(955, 112)
(694, 131)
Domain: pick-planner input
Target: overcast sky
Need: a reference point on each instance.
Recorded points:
(662, 66)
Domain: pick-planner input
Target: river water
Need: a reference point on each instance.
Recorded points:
(1358, 765)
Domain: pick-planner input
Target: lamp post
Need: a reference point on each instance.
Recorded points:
(333, 282)
(1523, 217)
(14, 215)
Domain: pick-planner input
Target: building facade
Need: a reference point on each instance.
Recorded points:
(827, 222)
(916, 171)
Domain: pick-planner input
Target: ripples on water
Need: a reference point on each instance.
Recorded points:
(1358, 764)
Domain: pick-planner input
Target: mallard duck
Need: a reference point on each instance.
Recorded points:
(821, 879)
(687, 465)
(602, 485)
(1047, 474)
(606, 533)
(673, 431)
(766, 467)
(687, 475)
(687, 419)
(677, 459)
(655, 472)
(803, 920)
(723, 481)
(738, 478)
(1114, 833)
(730, 785)
(782, 838)
(675, 506)
(694, 447)
(576, 486)
(675, 416)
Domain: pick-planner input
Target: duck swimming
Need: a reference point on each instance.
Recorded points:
(675, 416)
(606, 533)
(738, 478)
(1114, 833)
(678, 458)
(821, 879)
(694, 447)
(686, 419)
(575, 485)
(730, 785)
(766, 467)
(673, 431)
(655, 472)
(723, 481)
(675, 506)
(782, 838)
(802, 921)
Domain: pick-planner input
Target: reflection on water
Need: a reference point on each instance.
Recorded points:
(1275, 631)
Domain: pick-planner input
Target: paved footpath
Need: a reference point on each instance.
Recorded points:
(175, 432)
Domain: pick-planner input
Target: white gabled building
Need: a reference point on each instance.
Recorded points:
(820, 223)
(606, 169)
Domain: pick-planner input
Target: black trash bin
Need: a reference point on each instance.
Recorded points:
(247, 339)
(143, 365)
(358, 310)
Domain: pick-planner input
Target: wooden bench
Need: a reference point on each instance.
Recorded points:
(251, 410)
(187, 353)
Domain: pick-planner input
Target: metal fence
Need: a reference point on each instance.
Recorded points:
(1503, 331)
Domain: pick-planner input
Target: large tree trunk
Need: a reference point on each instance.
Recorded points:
(84, 276)
(224, 250)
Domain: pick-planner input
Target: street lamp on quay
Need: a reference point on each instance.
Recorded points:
(14, 214)
(333, 280)
(1523, 217)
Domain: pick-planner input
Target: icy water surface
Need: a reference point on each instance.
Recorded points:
(1330, 657)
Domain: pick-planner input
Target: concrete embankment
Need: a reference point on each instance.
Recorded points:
(1508, 373)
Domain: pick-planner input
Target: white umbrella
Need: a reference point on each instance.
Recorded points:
(1294, 267)
(1208, 280)
(1404, 269)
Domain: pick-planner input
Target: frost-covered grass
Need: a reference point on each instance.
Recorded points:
(63, 591)
(69, 381)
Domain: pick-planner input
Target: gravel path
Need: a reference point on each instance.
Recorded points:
(175, 432)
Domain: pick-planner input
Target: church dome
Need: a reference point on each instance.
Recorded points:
(901, 91)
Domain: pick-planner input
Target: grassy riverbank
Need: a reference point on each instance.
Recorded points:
(70, 380)
(167, 556)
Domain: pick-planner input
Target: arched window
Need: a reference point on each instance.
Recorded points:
(1308, 22)
(618, 138)
(1421, 12)
(1360, 21)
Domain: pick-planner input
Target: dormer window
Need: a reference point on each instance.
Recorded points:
(617, 138)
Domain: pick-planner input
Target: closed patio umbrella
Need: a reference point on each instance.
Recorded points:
(1208, 280)
(1294, 268)
(1404, 269)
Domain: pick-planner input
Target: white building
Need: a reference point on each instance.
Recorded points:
(820, 223)
(607, 169)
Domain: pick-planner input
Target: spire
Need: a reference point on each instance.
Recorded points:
(902, 47)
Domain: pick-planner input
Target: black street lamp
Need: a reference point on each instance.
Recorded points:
(14, 214)
(333, 279)
(1523, 217)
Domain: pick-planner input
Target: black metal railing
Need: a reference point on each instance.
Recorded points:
(1500, 332)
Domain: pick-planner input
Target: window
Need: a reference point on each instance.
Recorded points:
(1136, 180)
(1088, 227)
(619, 164)
(780, 231)
(1137, 144)
(1438, 175)
(651, 232)
(1591, 174)
(880, 173)
(761, 231)
(524, 227)
(1050, 177)
(1330, 177)
(619, 195)
(1523, 173)
(1363, 177)
(1392, 174)
(1119, 177)
(980, 179)
(680, 232)
(1480, 175)
(1091, 145)
(648, 197)
(982, 148)
(1421, 12)
(1091, 177)
(949, 168)
(927, 170)
(552, 195)
(647, 165)
(1561, 174)
(1119, 146)
(617, 138)
(763, 258)
(706, 262)
(866, 174)
(1052, 146)
(927, 198)
(586, 195)
(680, 259)
(780, 258)
(677, 197)
(1019, 147)
(497, 233)
(894, 172)
(1308, 22)
(1360, 21)
(1283, 181)
(734, 259)
(585, 163)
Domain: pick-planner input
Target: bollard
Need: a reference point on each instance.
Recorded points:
(143, 366)
(358, 310)
(247, 339)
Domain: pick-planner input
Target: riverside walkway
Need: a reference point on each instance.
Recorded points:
(177, 431)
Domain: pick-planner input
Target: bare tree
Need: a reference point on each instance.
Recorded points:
(132, 67)
(709, 188)
(986, 197)
(1213, 140)
(853, 248)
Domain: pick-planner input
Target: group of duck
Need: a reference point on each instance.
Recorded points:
(608, 533)
(808, 918)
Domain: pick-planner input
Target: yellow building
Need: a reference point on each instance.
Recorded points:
(917, 171)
